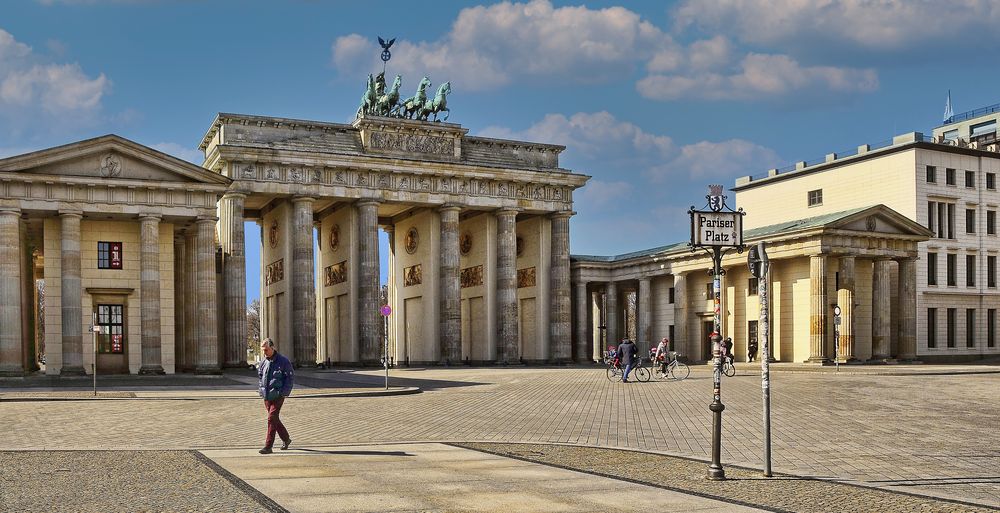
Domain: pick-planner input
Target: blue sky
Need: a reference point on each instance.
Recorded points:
(655, 99)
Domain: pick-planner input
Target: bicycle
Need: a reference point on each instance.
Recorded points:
(728, 368)
(676, 370)
(615, 370)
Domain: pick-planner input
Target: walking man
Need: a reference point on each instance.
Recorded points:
(274, 375)
(626, 355)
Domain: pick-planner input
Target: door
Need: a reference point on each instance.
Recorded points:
(112, 348)
(706, 343)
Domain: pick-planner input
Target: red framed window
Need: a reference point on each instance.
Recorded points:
(109, 255)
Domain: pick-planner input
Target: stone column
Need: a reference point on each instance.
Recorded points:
(180, 282)
(192, 335)
(303, 283)
(368, 281)
(907, 308)
(72, 295)
(234, 280)
(845, 299)
(560, 325)
(149, 293)
(682, 344)
(643, 317)
(583, 328)
(507, 283)
(611, 313)
(10, 291)
(881, 327)
(389, 324)
(208, 341)
(450, 317)
(597, 307)
(817, 309)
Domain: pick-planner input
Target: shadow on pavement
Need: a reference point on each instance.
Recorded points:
(358, 453)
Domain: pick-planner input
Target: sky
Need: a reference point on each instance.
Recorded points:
(655, 100)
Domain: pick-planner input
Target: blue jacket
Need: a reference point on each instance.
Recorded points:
(274, 377)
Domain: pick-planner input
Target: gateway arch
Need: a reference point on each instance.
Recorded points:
(478, 229)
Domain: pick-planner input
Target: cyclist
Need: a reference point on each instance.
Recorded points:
(727, 349)
(662, 356)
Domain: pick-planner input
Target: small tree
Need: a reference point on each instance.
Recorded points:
(253, 330)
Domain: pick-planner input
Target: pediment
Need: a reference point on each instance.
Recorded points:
(110, 158)
(879, 219)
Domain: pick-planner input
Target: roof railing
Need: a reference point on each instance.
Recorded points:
(964, 116)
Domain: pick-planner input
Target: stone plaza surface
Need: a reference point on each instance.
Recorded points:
(921, 430)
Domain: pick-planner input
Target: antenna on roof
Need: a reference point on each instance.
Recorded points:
(948, 112)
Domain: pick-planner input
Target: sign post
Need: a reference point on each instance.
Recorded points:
(716, 229)
(759, 267)
(95, 329)
(836, 336)
(386, 310)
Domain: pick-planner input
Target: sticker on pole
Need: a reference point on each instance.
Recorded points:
(385, 310)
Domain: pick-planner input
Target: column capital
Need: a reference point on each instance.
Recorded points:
(507, 211)
(150, 217)
(234, 194)
(368, 202)
(562, 214)
(389, 228)
(449, 207)
(298, 199)
(62, 213)
(205, 219)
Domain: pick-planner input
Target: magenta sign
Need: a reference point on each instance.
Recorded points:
(386, 310)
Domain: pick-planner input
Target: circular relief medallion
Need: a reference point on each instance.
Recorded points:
(334, 237)
(520, 245)
(411, 241)
(465, 243)
(111, 165)
(871, 223)
(272, 234)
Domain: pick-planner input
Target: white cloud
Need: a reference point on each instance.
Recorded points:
(759, 76)
(726, 159)
(884, 25)
(490, 46)
(600, 194)
(191, 155)
(57, 88)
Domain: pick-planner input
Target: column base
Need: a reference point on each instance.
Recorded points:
(879, 360)
(73, 371)
(12, 373)
(910, 361)
(151, 370)
(850, 361)
(560, 361)
(821, 360)
(208, 370)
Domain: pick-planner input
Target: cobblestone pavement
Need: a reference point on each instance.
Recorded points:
(925, 434)
(120, 481)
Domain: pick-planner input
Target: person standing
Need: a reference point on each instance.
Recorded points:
(752, 351)
(275, 376)
(626, 354)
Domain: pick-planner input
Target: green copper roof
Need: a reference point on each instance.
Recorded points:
(756, 233)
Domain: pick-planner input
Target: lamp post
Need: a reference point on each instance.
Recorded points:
(716, 229)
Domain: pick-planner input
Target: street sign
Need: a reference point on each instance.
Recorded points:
(722, 229)
(385, 310)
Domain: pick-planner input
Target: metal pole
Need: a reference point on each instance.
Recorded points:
(385, 323)
(715, 470)
(765, 371)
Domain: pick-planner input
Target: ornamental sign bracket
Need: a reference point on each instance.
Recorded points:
(716, 225)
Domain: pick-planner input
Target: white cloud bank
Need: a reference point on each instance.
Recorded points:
(493, 46)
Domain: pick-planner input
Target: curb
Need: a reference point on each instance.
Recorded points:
(317, 395)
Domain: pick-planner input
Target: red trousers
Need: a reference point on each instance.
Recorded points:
(274, 424)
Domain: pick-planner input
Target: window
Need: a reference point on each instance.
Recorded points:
(951, 220)
(931, 174)
(991, 181)
(991, 271)
(991, 327)
(709, 291)
(991, 222)
(670, 334)
(932, 327)
(109, 255)
(816, 197)
(752, 285)
(752, 335)
(970, 179)
(111, 340)
(970, 220)
(952, 315)
(670, 296)
(932, 216)
(941, 219)
(952, 269)
(932, 268)
(951, 135)
(970, 270)
(970, 327)
(949, 176)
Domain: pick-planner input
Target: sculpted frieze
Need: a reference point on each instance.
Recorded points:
(410, 143)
